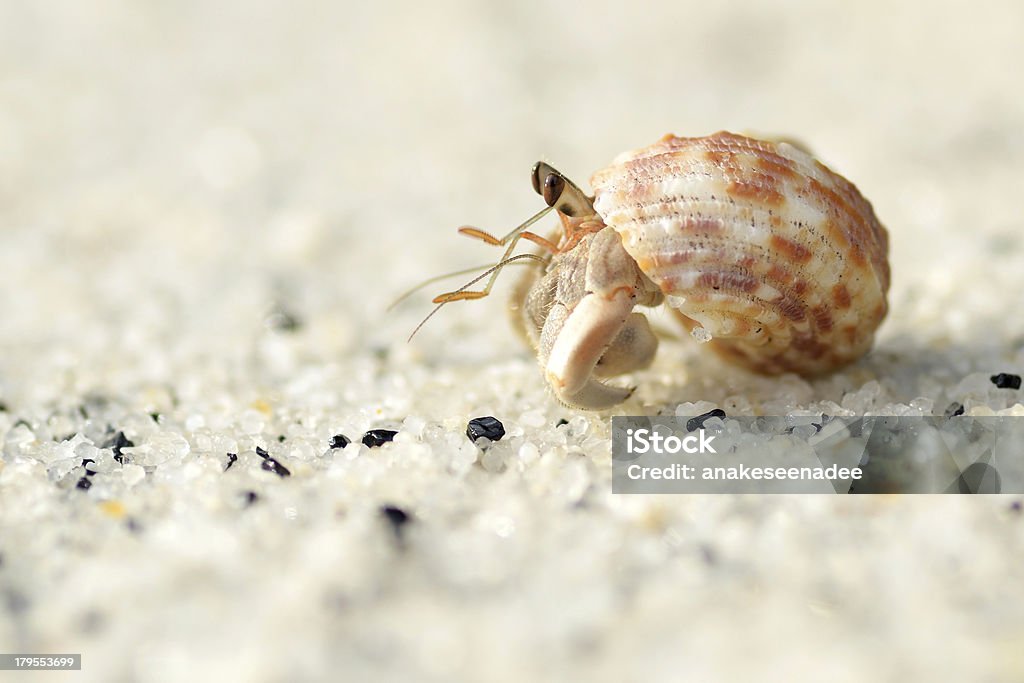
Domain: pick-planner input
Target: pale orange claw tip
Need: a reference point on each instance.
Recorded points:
(458, 296)
(479, 234)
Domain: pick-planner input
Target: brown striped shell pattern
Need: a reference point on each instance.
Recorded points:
(777, 262)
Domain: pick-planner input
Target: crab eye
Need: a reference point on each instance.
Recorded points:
(535, 178)
(553, 186)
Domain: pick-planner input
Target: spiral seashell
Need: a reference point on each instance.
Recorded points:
(773, 260)
(756, 244)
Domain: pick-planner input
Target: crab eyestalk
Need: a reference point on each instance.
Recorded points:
(560, 193)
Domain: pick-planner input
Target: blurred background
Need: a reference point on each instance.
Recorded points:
(207, 157)
(174, 175)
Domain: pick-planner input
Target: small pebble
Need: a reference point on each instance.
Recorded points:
(397, 518)
(339, 441)
(84, 484)
(378, 437)
(112, 508)
(250, 497)
(529, 453)
(698, 422)
(492, 461)
(282, 320)
(133, 474)
(486, 427)
(271, 465)
(116, 444)
(1005, 380)
(1016, 506)
(86, 462)
(954, 409)
(801, 431)
(262, 453)
(232, 458)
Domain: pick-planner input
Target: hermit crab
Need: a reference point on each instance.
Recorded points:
(773, 259)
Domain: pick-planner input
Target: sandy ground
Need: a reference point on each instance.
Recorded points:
(177, 179)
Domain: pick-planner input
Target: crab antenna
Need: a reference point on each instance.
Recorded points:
(493, 269)
(511, 240)
(504, 240)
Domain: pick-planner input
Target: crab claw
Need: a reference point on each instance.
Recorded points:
(600, 337)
